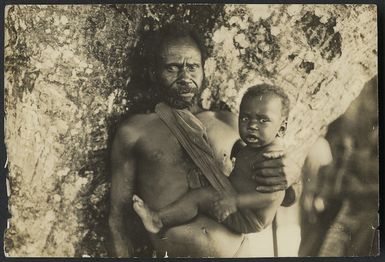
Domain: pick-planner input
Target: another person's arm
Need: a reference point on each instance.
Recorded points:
(122, 186)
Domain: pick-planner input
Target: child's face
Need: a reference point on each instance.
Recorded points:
(260, 120)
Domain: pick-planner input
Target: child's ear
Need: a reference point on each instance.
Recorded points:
(283, 128)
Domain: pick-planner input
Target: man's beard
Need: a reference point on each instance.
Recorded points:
(174, 96)
(175, 101)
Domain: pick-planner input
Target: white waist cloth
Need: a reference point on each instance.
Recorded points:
(257, 244)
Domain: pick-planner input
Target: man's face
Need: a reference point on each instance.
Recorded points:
(180, 72)
(260, 120)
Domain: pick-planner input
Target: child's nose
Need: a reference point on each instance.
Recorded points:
(253, 126)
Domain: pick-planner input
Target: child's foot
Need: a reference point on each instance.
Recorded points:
(150, 219)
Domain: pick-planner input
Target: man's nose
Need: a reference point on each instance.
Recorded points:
(184, 75)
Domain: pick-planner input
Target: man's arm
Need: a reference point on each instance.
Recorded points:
(275, 174)
(122, 186)
(274, 170)
(269, 173)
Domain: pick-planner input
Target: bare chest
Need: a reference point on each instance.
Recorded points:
(158, 145)
(221, 137)
(162, 166)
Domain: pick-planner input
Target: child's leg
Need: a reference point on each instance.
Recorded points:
(176, 213)
(187, 207)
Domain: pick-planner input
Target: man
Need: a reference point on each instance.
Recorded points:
(147, 159)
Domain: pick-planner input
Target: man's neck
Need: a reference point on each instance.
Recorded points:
(195, 108)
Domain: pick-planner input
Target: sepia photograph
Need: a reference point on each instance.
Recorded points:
(191, 130)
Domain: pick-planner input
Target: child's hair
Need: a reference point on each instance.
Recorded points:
(266, 89)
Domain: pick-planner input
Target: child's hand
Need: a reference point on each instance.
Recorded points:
(224, 207)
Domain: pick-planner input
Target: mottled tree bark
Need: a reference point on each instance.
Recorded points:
(69, 74)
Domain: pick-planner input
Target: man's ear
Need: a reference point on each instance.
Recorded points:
(283, 128)
(152, 74)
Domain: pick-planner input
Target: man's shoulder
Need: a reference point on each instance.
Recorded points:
(138, 120)
(134, 125)
(223, 117)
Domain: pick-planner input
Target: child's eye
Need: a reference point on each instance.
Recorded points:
(263, 120)
(244, 119)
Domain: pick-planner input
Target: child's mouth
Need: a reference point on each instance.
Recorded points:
(252, 139)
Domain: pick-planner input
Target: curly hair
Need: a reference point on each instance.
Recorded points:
(155, 42)
(266, 89)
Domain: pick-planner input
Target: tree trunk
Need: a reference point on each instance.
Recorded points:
(67, 69)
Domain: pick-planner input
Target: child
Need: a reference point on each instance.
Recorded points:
(263, 118)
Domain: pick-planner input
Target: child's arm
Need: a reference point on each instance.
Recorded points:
(255, 211)
(255, 200)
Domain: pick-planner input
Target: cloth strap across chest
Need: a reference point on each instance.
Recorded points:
(192, 136)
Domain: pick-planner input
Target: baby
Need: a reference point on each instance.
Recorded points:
(262, 122)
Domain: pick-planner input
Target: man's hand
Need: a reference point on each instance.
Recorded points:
(276, 172)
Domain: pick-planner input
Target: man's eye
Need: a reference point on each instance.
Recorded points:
(172, 68)
(192, 68)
